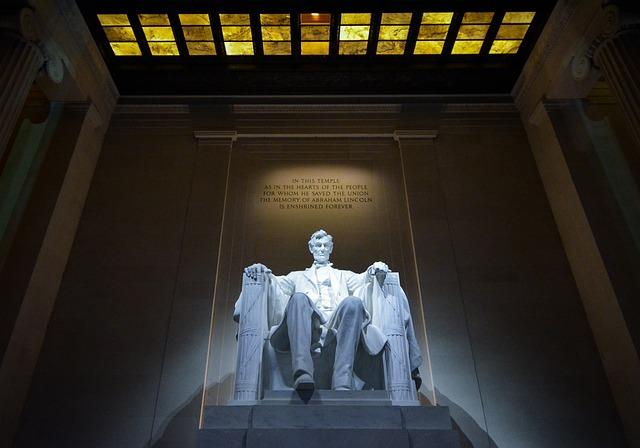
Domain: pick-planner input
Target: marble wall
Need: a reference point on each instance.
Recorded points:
(512, 354)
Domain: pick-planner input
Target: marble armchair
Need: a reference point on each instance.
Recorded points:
(259, 367)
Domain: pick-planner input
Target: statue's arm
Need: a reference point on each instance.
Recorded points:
(279, 288)
(357, 281)
(284, 282)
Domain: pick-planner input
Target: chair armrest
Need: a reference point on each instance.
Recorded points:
(250, 287)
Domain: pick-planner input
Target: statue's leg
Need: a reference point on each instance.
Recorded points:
(349, 318)
(299, 314)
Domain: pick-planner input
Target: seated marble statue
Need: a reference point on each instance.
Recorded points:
(323, 305)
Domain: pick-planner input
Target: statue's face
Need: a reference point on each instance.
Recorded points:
(321, 250)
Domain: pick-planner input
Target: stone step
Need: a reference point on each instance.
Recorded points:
(321, 417)
(327, 438)
(324, 397)
(328, 416)
(336, 426)
(323, 438)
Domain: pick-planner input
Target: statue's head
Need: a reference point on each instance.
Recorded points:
(321, 246)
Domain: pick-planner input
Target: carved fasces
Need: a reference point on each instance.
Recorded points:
(396, 353)
(252, 331)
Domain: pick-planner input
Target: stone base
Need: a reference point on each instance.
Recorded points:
(337, 426)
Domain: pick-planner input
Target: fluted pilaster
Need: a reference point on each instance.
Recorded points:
(20, 61)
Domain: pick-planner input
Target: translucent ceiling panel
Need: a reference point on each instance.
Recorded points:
(236, 32)
(120, 34)
(511, 32)
(472, 32)
(394, 29)
(314, 33)
(434, 27)
(354, 33)
(197, 34)
(276, 34)
(159, 35)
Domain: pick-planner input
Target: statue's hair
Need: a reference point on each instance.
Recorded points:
(318, 234)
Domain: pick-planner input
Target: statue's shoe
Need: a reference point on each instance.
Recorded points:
(304, 382)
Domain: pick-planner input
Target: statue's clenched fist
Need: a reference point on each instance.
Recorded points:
(378, 266)
(255, 269)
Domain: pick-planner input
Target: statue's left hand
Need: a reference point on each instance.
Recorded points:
(378, 266)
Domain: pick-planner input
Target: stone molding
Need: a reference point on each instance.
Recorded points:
(419, 134)
(216, 138)
(234, 135)
(316, 108)
(152, 109)
(481, 108)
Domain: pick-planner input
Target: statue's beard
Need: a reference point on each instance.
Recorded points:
(321, 259)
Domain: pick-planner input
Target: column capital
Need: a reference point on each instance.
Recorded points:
(24, 25)
(21, 23)
(614, 20)
(619, 20)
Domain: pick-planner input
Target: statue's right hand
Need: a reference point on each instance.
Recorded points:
(255, 269)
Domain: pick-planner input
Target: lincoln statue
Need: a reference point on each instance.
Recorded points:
(322, 305)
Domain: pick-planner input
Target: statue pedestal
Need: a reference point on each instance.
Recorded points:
(327, 425)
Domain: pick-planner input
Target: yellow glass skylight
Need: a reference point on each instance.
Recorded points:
(120, 34)
(276, 34)
(354, 33)
(314, 33)
(433, 32)
(197, 34)
(472, 32)
(394, 29)
(159, 35)
(511, 32)
(236, 31)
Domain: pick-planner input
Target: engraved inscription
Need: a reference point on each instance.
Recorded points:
(316, 193)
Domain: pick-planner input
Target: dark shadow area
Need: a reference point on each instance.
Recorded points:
(180, 429)
(465, 419)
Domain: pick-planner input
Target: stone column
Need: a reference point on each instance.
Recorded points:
(616, 52)
(20, 61)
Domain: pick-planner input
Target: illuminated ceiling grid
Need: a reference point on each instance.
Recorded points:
(159, 35)
(237, 35)
(120, 35)
(276, 34)
(315, 31)
(472, 32)
(394, 30)
(198, 36)
(434, 28)
(354, 33)
(429, 33)
(512, 30)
